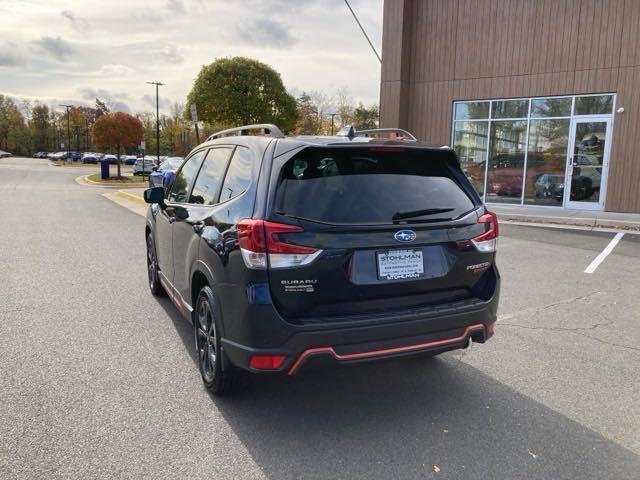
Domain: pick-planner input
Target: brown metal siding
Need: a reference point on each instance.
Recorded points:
(439, 51)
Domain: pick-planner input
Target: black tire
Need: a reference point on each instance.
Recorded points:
(152, 269)
(219, 375)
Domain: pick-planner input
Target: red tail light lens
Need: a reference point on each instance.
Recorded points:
(266, 362)
(260, 240)
(487, 241)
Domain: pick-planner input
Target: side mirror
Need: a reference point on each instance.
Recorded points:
(154, 195)
(154, 169)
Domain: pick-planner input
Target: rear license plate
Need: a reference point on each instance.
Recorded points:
(400, 264)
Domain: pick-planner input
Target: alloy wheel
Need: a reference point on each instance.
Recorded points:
(205, 332)
(151, 262)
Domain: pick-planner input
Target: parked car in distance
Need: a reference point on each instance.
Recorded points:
(41, 155)
(163, 176)
(128, 159)
(113, 159)
(505, 185)
(144, 166)
(289, 251)
(58, 156)
(4, 154)
(75, 156)
(90, 158)
(550, 185)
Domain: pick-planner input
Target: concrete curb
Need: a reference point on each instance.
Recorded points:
(572, 221)
(131, 196)
(84, 179)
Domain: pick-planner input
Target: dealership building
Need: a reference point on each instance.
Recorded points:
(540, 98)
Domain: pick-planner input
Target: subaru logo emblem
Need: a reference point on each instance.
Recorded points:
(405, 236)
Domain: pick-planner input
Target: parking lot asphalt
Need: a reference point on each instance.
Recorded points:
(98, 379)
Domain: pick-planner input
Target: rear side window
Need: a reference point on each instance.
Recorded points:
(205, 190)
(238, 176)
(184, 179)
(370, 186)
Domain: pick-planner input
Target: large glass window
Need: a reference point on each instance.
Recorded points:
(510, 109)
(470, 141)
(515, 150)
(594, 105)
(546, 160)
(551, 107)
(506, 161)
(472, 110)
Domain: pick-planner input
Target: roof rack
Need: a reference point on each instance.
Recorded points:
(274, 131)
(404, 134)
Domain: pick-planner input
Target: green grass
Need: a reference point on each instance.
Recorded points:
(123, 180)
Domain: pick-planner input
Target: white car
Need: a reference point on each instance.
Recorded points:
(144, 166)
(4, 154)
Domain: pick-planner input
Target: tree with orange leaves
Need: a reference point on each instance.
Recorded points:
(117, 130)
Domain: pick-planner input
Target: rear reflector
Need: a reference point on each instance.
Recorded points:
(266, 362)
(260, 244)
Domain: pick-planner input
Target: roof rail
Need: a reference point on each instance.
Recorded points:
(274, 131)
(398, 131)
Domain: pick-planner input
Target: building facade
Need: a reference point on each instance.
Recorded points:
(540, 98)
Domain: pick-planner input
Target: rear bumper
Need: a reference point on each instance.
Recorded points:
(429, 335)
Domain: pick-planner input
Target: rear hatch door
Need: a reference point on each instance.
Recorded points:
(388, 224)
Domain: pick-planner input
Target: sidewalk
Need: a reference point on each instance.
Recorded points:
(583, 218)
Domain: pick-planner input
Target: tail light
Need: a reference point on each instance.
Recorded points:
(261, 245)
(486, 242)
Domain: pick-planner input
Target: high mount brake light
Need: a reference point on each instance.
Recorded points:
(485, 242)
(261, 245)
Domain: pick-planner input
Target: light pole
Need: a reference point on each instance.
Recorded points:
(76, 129)
(157, 84)
(332, 117)
(68, 107)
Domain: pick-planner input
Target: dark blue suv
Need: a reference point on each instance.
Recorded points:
(286, 252)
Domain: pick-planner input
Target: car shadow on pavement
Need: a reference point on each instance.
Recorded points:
(405, 419)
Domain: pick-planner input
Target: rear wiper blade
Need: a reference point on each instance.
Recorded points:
(420, 213)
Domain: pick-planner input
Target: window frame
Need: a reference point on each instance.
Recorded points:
(232, 149)
(224, 179)
(190, 187)
(230, 146)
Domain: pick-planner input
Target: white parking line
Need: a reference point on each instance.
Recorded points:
(607, 250)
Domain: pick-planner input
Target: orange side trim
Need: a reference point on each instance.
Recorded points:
(376, 353)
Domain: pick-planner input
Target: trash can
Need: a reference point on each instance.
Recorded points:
(104, 168)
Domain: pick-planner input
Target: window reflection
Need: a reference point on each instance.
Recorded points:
(471, 146)
(472, 110)
(506, 161)
(492, 150)
(546, 160)
(588, 157)
(510, 109)
(594, 105)
(551, 107)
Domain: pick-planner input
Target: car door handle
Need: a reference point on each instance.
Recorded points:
(198, 227)
(172, 219)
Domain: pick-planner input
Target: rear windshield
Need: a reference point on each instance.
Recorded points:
(365, 186)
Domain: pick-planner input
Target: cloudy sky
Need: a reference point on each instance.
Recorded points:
(74, 50)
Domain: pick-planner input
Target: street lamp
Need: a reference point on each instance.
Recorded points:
(332, 117)
(157, 84)
(68, 107)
